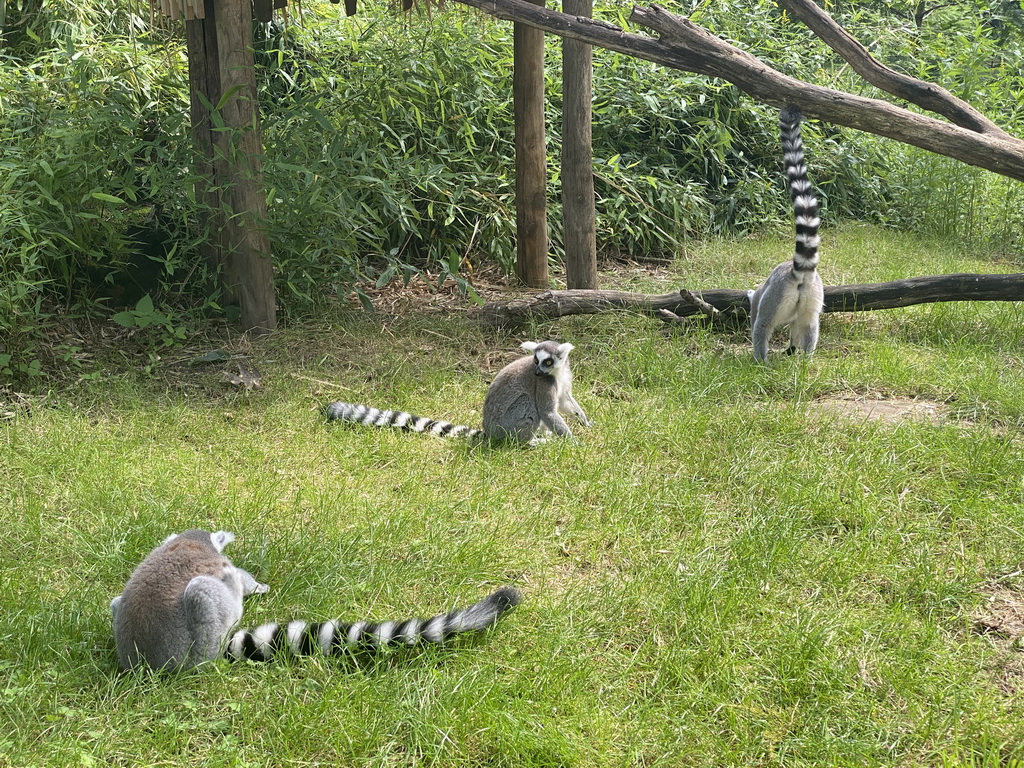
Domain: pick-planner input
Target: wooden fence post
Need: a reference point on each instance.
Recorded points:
(531, 165)
(222, 68)
(204, 83)
(578, 213)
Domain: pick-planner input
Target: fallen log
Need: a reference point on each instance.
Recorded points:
(861, 297)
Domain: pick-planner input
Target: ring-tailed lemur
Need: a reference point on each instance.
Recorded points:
(793, 294)
(525, 400)
(182, 601)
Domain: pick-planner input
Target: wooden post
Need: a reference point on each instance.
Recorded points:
(578, 214)
(204, 79)
(221, 62)
(531, 166)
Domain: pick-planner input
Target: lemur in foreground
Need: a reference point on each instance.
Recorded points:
(793, 294)
(526, 400)
(182, 601)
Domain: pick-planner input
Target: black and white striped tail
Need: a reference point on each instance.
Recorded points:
(805, 203)
(374, 417)
(333, 637)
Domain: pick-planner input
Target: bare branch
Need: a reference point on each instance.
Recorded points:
(926, 95)
(734, 317)
(690, 48)
(670, 317)
(698, 303)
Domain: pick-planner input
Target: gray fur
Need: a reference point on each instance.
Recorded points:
(529, 395)
(182, 601)
(524, 402)
(793, 294)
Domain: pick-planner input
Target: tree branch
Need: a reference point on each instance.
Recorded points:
(688, 47)
(926, 95)
(838, 298)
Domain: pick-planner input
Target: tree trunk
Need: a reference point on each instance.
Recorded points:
(578, 207)
(838, 298)
(249, 271)
(221, 62)
(204, 83)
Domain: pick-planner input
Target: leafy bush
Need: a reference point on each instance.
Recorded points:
(426, 175)
(423, 177)
(389, 148)
(973, 49)
(93, 148)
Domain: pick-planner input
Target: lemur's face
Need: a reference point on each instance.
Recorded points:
(544, 363)
(549, 357)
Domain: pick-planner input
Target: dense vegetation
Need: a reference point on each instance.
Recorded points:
(389, 148)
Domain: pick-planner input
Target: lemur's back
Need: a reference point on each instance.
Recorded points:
(153, 616)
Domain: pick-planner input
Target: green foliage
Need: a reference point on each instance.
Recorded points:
(389, 149)
(92, 151)
(146, 316)
(421, 178)
(973, 49)
(426, 175)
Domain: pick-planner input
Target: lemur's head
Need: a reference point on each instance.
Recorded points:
(548, 356)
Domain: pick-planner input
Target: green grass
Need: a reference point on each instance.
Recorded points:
(718, 573)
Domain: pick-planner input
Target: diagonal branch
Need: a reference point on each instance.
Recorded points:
(926, 95)
(688, 47)
(872, 115)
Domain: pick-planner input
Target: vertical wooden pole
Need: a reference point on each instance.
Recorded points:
(248, 260)
(579, 217)
(531, 167)
(204, 83)
(221, 62)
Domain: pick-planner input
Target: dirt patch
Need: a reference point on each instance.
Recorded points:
(1002, 615)
(427, 293)
(890, 410)
(1001, 620)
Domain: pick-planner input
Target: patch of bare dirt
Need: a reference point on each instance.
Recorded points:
(889, 410)
(1002, 614)
(423, 294)
(1001, 621)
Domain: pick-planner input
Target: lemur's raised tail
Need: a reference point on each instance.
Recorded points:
(793, 294)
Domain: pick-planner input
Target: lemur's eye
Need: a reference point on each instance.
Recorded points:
(548, 362)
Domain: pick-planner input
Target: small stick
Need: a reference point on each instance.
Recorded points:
(694, 300)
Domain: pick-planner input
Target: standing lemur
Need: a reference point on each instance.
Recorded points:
(181, 603)
(525, 401)
(793, 294)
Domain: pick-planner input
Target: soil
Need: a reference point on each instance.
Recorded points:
(1001, 621)
(889, 410)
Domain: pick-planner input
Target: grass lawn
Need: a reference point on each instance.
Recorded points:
(737, 565)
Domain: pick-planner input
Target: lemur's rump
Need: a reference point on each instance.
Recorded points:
(793, 294)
